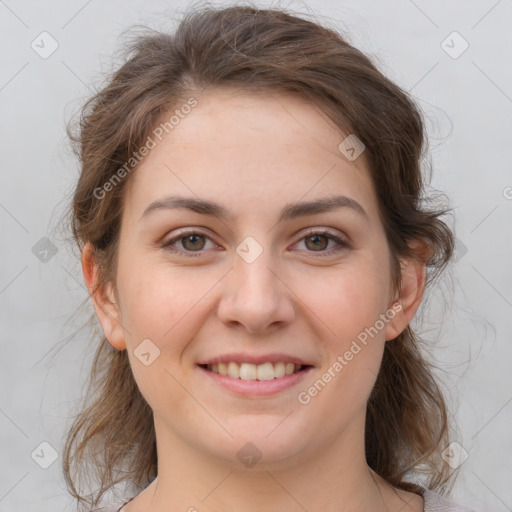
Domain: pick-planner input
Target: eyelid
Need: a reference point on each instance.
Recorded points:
(325, 231)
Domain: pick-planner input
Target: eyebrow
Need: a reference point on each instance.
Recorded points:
(290, 211)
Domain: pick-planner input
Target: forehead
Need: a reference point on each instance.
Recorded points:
(229, 120)
(273, 146)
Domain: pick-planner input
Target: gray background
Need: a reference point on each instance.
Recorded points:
(468, 104)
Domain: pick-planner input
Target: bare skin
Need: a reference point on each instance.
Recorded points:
(305, 295)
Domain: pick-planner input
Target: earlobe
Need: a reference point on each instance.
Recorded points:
(103, 299)
(413, 280)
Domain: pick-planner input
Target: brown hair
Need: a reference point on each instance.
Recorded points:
(112, 438)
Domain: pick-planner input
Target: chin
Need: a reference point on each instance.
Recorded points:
(260, 447)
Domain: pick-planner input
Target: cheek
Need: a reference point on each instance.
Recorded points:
(160, 310)
(168, 306)
(348, 305)
(158, 298)
(347, 300)
(353, 342)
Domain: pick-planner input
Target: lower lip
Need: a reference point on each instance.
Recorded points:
(257, 387)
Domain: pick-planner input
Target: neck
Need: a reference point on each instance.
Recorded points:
(335, 479)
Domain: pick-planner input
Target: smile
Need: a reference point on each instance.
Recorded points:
(255, 380)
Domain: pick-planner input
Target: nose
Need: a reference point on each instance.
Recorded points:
(256, 296)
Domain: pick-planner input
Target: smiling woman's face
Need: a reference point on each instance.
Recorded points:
(254, 276)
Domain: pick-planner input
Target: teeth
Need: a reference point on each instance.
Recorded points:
(289, 368)
(233, 370)
(247, 371)
(279, 370)
(264, 371)
(250, 371)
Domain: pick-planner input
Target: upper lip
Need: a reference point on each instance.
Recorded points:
(255, 359)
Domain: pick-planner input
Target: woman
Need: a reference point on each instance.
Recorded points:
(251, 218)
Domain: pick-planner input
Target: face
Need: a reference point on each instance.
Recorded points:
(263, 276)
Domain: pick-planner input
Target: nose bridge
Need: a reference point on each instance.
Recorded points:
(254, 295)
(254, 280)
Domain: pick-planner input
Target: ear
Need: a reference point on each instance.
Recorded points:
(104, 301)
(413, 278)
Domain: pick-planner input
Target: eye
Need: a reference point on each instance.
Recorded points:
(190, 242)
(193, 243)
(318, 241)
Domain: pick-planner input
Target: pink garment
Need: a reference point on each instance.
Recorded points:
(434, 502)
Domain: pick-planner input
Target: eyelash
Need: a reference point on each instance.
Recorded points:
(342, 244)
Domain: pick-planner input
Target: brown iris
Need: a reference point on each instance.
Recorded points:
(193, 242)
(317, 245)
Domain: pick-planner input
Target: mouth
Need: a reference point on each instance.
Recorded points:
(256, 372)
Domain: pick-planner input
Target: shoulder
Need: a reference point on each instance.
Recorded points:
(434, 502)
(113, 507)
